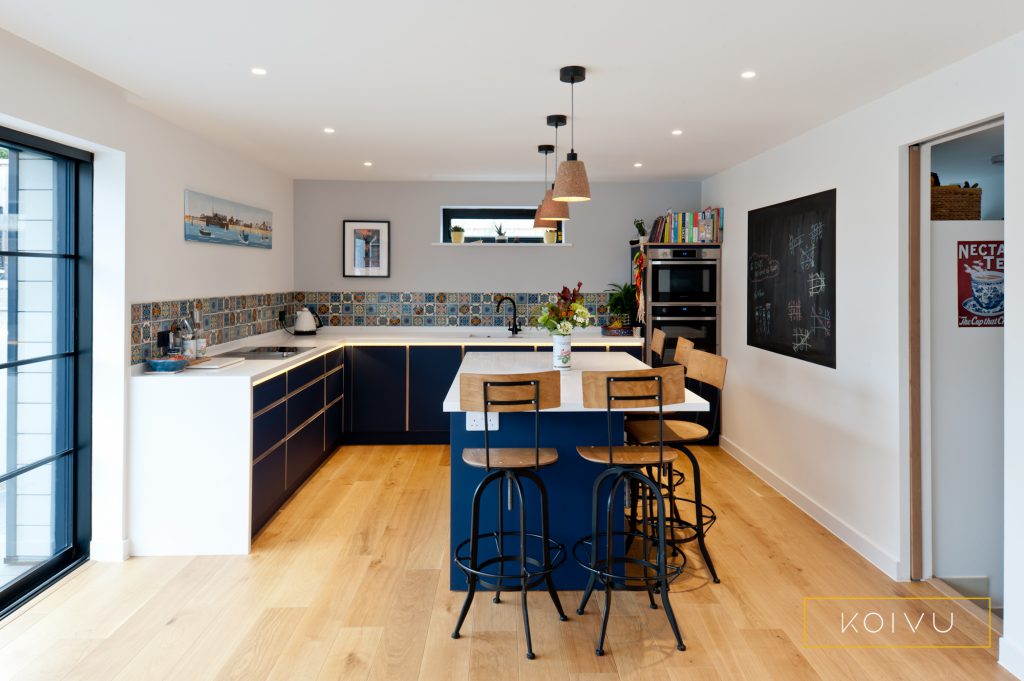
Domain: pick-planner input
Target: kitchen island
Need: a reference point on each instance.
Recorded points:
(569, 482)
(213, 454)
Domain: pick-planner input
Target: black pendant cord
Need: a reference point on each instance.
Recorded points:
(572, 114)
(556, 154)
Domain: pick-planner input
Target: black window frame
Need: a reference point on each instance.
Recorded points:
(449, 213)
(75, 463)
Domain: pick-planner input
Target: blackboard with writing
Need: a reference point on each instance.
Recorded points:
(791, 277)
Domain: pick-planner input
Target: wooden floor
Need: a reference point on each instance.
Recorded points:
(350, 581)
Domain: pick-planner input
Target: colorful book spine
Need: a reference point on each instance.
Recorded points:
(678, 227)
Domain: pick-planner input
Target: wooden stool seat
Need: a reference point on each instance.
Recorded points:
(646, 432)
(510, 457)
(629, 455)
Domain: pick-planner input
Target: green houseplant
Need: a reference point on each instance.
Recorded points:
(622, 306)
(499, 233)
(458, 234)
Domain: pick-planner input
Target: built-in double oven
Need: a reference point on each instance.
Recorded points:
(683, 294)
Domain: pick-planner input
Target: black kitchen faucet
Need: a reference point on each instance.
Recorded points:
(514, 326)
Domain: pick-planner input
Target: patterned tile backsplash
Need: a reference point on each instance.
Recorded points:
(235, 317)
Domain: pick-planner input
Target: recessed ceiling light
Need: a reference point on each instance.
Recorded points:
(367, 163)
(329, 131)
(677, 132)
(258, 71)
(638, 165)
(748, 74)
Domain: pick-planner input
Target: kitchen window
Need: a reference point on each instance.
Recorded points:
(480, 224)
(45, 328)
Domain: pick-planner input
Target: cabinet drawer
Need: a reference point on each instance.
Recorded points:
(305, 403)
(268, 392)
(305, 451)
(334, 426)
(304, 373)
(268, 487)
(335, 385)
(268, 429)
(334, 359)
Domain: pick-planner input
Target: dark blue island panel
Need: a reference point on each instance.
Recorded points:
(432, 369)
(569, 484)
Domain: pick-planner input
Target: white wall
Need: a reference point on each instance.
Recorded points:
(599, 232)
(835, 440)
(142, 166)
(966, 448)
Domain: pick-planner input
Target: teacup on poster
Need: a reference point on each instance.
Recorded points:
(980, 275)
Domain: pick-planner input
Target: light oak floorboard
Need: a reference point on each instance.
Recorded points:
(350, 581)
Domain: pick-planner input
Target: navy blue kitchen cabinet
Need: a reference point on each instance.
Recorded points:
(432, 369)
(377, 381)
(268, 429)
(268, 487)
(297, 422)
(305, 452)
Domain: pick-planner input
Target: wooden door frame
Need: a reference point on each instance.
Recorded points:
(914, 318)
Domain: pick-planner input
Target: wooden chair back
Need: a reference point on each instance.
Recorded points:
(512, 392)
(682, 354)
(658, 342)
(639, 383)
(707, 368)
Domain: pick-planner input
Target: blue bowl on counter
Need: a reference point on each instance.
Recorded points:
(166, 364)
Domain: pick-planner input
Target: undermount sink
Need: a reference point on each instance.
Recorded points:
(268, 352)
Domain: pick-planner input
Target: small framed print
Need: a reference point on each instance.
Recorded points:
(366, 248)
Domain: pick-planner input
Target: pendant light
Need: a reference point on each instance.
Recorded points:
(538, 222)
(552, 211)
(571, 183)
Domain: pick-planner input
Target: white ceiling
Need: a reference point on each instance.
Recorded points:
(459, 89)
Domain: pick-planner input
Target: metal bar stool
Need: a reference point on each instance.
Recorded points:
(508, 467)
(707, 372)
(618, 390)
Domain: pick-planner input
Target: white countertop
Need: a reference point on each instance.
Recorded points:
(332, 337)
(572, 379)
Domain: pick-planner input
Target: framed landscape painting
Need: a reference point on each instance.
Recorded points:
(366, 248)
(219, 221)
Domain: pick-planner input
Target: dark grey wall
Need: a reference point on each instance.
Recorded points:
(599, 232)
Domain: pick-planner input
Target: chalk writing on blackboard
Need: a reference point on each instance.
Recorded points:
(816, 283)
(763, 267)
(801, 340)
(791, 278)
(807, 258)
(822, 321)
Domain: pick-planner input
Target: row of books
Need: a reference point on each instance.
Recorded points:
(699, 227)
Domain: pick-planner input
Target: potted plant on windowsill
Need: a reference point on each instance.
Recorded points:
(458, 234)
(641, 232)
(622, 306)
(499, 234)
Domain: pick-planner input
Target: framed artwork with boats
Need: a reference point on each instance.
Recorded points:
(220, 221)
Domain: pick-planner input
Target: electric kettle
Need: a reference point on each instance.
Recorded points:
(306, 323)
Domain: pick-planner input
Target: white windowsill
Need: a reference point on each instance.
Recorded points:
(478, 244)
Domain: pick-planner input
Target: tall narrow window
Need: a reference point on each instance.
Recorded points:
(45, 198)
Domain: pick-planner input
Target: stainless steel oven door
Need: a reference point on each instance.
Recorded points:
(703, 331)
(683, 281)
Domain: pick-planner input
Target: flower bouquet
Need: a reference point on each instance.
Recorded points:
(560, 318)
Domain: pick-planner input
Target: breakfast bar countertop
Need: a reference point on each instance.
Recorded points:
(572, 379)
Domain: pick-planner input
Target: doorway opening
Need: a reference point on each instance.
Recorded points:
(956, 363)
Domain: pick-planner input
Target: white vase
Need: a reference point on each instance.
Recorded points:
(561, 351)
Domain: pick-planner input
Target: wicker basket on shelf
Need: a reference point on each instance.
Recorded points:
(951, 202)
